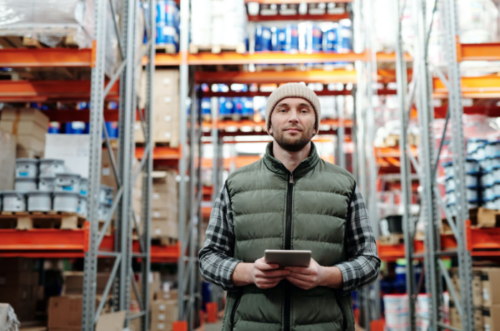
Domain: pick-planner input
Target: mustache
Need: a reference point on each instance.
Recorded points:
(296, 127)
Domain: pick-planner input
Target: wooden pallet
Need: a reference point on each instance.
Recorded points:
(279, 67)
(216, 49)
(41, 220)
(164, 241)
(168, 49)
(26, 42)
(392, 239)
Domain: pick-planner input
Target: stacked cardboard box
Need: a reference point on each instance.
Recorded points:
(163, 314)
(165, 108)
(7, 160)
(73, 283)
(19, 286)
(29, 126)
(65, 312)
(485, 296)
(164, 205)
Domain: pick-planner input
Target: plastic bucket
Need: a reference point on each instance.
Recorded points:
(26, 168)
(39, 201)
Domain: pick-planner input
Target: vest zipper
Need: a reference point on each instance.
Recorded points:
(233, 312)
(344, 320)
(288, 245)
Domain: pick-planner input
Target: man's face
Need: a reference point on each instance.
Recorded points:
(293, 123)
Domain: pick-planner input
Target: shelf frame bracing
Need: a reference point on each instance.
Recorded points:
(426, 168)
(122, 275)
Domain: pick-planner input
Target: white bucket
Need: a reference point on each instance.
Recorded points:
(67, 183)
(51, 167)
(106, 194)
(66, 201)
(104, 210)
(46, 184)
(488, 178)
(82, 205)
(25, 184)
(13, 201)
(84, 186)
(39, 201)
(26, 168)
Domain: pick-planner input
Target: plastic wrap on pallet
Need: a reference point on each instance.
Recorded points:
(52, 20)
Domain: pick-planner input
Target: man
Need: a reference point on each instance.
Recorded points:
(290, 199)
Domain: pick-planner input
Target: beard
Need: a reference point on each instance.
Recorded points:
(293, 144)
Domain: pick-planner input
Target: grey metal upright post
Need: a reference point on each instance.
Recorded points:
(456, 111)
(96, 122)
(429, 207)
(405, 169)
(341, 139)
(184, 90)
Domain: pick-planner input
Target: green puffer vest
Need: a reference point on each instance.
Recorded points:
(269, 212)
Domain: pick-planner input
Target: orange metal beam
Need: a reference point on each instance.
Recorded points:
(160, 153)
(312, 76)
(479, 52)
(325, 17)
(472, 87)
(270, 2)
(45, 91)
(45, 57)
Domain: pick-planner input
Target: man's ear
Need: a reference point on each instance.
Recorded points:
(270, 130)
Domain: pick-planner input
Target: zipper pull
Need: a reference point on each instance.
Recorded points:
(291, 178)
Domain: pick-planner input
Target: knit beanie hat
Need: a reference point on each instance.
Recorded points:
(292, 90)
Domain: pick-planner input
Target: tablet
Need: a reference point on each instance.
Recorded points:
(288, 258)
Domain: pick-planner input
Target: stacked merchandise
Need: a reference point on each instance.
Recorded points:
(485, 297)
(7, 160)
(320, 8)
(396, 312)
(165, 108)
(19, 286)
(164, 205)
(220, 23)
(167, 25)
(29, 126)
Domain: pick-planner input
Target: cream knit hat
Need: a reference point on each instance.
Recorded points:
(292, 90)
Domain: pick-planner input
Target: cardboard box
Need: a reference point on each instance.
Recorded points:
(166, 295)
(65, 312)
(25, 115)
(455, 319)
(164, 229)
(485, 218)
(16, 294)
(111, 322)
(477, 287)
(491, 318)
(7, 160)
(74, 149)
(478, 319)
(16, 278)
(491, 288)
(73, 283)
(24, 129)
(163, 314)
(107, 174)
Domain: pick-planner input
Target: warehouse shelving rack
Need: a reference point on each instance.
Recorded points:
(465, 241)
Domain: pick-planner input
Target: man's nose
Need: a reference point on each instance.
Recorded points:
(293, 116)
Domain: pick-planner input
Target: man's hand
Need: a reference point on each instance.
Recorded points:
(263, 275)
(266, 275)
(314, 275)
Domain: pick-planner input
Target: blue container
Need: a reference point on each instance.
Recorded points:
(112, 128)
(238, 106)
(291, 38)
(54, 127)
(205, 106)
(247, 106)
(330, 40)
(225, 106)
(167, 35)
(278, 39)
(263, 38)
(166, 12)
(75, 128)
(313, 38)
(344, 36)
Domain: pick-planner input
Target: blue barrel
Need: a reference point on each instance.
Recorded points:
(344, 36)
(263, 38)
(238, 106)
(313, 38)
(247, 107)
(278, 39)
(166, 34)
(112, 128)
(330, 40)
(54, 127)
(225, 106)
(291, 38)
(206, 106)
(75, 128)
(166, 12)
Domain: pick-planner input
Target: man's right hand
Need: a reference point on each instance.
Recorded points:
(263, 275)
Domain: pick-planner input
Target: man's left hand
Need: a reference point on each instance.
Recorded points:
(306, 278)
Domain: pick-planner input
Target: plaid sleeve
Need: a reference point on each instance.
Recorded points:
(362, 262)
(216, 257)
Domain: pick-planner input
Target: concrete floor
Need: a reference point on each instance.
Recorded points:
(213, 327)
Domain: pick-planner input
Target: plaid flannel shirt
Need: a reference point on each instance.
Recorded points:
(359, 270)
